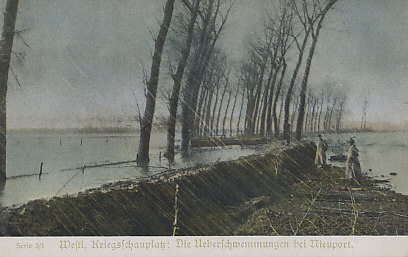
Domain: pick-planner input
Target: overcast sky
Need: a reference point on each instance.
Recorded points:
(84, 59)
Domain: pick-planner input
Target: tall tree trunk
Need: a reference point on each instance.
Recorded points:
(268, 96)
(326, 115)
(198, 116)
(316, 126)
(269, 117)
(275, 100)
(6, 45)
(193, 84)
(303, 88)
(286, 125)
(208, 113)
(307, 110)
(313, 117)
(257, 99)
(331, 113)
(258, 117)
(249, 110)
(220, 107)
(203, 114)
(214, 111)
(240, 110)
(294, 112)
(281, 108)
(175, 94)
(338, 127)
(265, 102)
(226, 112)
(320, 113)
(146, 124)
(233, 110)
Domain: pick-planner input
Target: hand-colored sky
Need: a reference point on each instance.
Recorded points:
(84, 59)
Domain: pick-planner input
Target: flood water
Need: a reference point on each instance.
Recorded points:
(382, 152)
(63, 155)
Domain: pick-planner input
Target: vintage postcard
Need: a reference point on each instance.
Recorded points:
(203, 127)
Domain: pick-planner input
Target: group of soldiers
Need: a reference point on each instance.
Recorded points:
(353, 168)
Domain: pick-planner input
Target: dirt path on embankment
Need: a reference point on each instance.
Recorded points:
(279, 192)
(326, 204)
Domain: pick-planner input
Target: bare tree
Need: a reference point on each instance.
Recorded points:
(224, 120)
(364, 116)
(331, 113)
(339, 115)
(240, 110)
(177, 77)
(146, 124)
(250, 75)
(209, 35)
(233, 109)
(301, 48)
(221, 102)
(308, 21)
(327, 112)
(313, 114)
(275, 101)
(6, 46)
(320, 111)
(308, 104)
(280, 46)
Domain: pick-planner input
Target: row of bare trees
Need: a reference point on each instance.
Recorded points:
(292, 31)
(200, 23)
(209, 89)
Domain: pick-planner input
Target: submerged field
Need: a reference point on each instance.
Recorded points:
(280, 193)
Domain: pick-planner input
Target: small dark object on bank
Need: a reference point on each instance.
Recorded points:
(393, 173)
(339, 158)
(370, 169)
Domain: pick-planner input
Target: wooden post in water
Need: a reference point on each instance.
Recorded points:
(41, 166)
(81, 141)
(83, 168)
(137, 159)
(60, 141)
(159, 156)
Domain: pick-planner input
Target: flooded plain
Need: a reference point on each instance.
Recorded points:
(64, 154)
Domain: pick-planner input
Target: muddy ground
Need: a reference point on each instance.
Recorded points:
(326, 204)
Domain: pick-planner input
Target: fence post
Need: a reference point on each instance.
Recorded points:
(41, 167)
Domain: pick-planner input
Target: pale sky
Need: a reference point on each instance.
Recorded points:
(85, 57)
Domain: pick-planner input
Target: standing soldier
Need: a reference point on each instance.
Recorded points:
(353, 168)
(322, 147)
